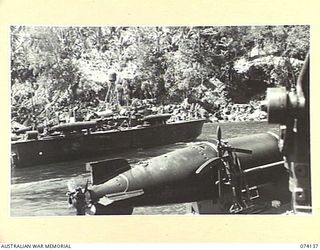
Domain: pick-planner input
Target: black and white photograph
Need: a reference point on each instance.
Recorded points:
(160, 120)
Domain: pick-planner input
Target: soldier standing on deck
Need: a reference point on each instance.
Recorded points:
(111, 97)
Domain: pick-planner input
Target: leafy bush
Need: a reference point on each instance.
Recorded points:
(53, 67)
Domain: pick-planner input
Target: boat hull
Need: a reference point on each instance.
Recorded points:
(76, 146)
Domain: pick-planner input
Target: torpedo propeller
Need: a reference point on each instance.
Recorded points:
(230, 173)
(79, 198)
(222, 147)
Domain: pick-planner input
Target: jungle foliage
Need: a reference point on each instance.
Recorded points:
(53, 67)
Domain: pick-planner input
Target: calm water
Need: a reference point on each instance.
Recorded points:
(41, 190)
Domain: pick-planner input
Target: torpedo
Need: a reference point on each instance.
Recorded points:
(232, 172)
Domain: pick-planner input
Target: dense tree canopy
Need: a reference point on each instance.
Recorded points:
(54, 67)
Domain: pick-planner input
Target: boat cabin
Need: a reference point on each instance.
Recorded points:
(153, 120)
